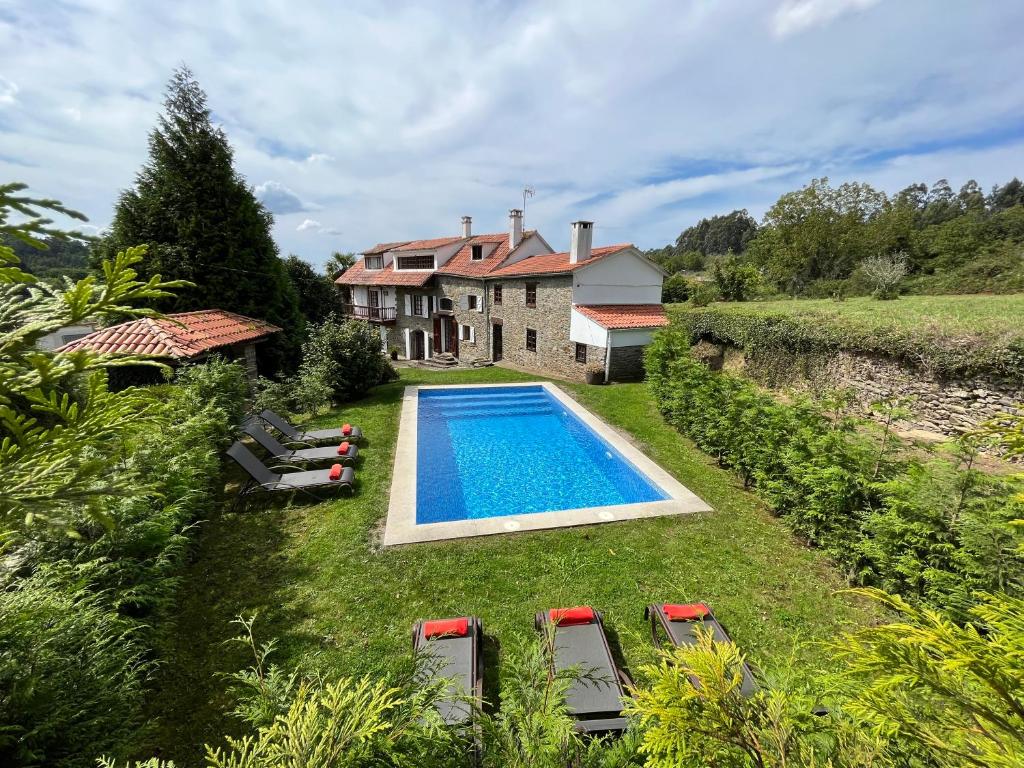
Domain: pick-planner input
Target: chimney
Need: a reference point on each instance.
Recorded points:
(582, 238)
(467, 226)
(515, 228)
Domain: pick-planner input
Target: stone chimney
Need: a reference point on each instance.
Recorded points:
(467, 226)
(582, 239)
(515, 228)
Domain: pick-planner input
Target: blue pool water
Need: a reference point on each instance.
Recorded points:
(493, 451)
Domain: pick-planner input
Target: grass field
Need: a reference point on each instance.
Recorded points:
(951, 336)
(994, 317)
(339, 604)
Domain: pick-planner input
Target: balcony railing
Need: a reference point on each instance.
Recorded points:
(373, 314)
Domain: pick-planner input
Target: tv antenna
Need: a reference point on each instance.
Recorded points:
(528, 191)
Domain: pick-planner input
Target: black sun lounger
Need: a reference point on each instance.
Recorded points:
(262, 478)
(280, 453)
(595, 703)
(680, 623)
(295, 435)
(454, 651)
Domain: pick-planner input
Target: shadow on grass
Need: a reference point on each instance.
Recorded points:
(238, 566)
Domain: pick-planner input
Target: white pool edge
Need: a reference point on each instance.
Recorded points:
(401, 527)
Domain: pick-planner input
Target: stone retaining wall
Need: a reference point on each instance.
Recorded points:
(946, 406)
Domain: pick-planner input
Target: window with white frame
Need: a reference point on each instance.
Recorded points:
(417, 305)
(478, 252)
(466, 333)
(373, 262)
(423, 261)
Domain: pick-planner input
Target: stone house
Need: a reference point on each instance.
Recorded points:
(509, 296)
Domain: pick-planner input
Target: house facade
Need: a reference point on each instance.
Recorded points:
(509, 296)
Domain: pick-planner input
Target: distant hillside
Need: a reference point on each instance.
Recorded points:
(60, 258)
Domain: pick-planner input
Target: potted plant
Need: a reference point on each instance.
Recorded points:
(595, 374)
(394, 353)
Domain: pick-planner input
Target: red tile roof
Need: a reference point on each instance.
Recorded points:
(423, 245)
(382, 247)
(555, 263)
(357, 274)
(619, 316)
(180, 336)
(462, 262)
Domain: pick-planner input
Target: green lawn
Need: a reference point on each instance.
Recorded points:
(339, 604)
(952, 336)
(994, 317)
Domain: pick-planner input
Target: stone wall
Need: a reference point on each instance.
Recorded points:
(627, 363)
(555, 354)
(455, 288)
(396, 332)
(946, 406)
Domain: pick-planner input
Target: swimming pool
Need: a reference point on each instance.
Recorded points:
(476, 460)
(497, 451)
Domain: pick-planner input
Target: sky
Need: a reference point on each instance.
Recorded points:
(362, 122)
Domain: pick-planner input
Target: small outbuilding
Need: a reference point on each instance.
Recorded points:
(185, 337)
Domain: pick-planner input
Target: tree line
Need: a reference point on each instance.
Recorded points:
(823, 240)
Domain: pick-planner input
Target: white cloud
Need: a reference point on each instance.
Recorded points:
(641, 117)
(308, 224)
(74, 113)
(794, 16)
(279, 199)
(8, 91)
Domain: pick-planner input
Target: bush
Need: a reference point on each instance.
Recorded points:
(933, 532)
(884, 273)
(71, 674)
(675, 289)
(703, 293)
(218, 383)
(735, 280)
(346, 355)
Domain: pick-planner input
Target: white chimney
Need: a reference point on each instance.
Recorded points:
(515, 228)
(467, 226)
(582, 239)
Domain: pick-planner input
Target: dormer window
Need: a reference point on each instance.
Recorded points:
(373, 262)
(478, 252)
(425, 261)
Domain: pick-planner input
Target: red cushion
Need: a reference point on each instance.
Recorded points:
(446, 628)
(346, 429)
(568, 617)
(343, 449)
(335, 473)
(685, 612)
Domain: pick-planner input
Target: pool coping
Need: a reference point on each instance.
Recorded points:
(401, 526)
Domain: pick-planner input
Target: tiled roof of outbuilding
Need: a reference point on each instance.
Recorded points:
(179, 336)
(616, 317)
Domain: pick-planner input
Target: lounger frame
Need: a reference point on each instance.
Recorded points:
(597, 723)
(251, 465)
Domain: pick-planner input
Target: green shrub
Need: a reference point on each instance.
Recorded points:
(735, 280)
(218, 383)
(675, 289)
(347, 356)
(703, 293)
(72, 673)
(934, 532)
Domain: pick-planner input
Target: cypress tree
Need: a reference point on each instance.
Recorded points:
(203, 223)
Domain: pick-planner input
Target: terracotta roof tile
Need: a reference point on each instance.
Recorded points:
(180, 336)
(357, 274)
(421, 245)
(555, 263)
(619, 316)
(383, 247)
(462, 262)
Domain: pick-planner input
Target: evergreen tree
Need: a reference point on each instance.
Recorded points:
(203, 223)
(319, 297)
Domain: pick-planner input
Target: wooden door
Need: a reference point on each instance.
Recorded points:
(418, 344)
(496, 337)
(437, 335)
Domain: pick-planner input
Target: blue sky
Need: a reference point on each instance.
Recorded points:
(360, 122)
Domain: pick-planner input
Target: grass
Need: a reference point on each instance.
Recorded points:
(994, 317)
(339, 604)
(951, 336)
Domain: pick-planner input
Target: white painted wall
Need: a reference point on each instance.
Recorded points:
(625, 278)
(631, 337)
(361, 295)
(583, 330)
(531, 246)
(62, 336)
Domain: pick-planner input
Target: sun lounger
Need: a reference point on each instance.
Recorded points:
(454, 651)
(263, 478)
(282, 454)
(295, 435)
(596, 699)
(679, 623)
